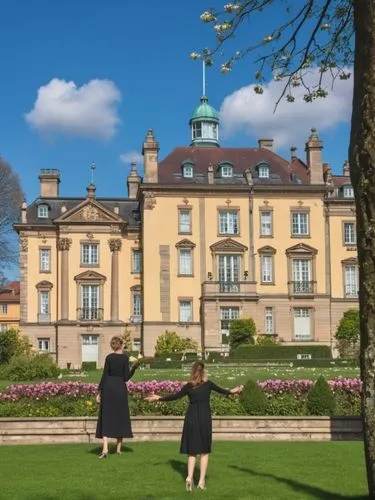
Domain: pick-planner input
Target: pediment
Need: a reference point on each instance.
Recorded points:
(302, 248)
(44, 284)
(351, 261)
(90, 276)
(267, 249)
(185, 243)
(89, 211)
(228, 245)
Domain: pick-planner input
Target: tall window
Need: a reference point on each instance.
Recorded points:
(229, 273)
(136, 261)
(137, 306)
(266, 223)
(44, 313)
(90, 302)
(90, 253)
(351, 281)
(266, 268)
(4, 308)
(302, 276)
(186, 311)
(184, 221)
(228, 222)
(350, 237)
(227, 314)
(45, 260)
(300, 224)
(185, 262)
(43, 345)
(268, 320)
(42, 212)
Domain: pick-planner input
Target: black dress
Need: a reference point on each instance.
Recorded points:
(197, 432)
(114, 417)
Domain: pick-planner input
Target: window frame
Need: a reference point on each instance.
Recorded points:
(346, 266)
(44, 215)
(188, 171)
(138, 252)
(90, 244)
(265, 169)
(226, 171)
(348, 188)
(41, 268)
(236, 222)
(4, 308)
(268, 309)
(271, 272)
(346, 242)
(189, 251)
(222, 320)
(299, 214)
(41, 340)
(188, 211)
(185, 300)
(263, 234)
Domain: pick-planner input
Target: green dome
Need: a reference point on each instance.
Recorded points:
(205, 111)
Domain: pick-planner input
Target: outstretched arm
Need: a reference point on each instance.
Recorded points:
(226, 392)
(171, 397)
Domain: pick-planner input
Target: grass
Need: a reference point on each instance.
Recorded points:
(254, 470)
(225, 376)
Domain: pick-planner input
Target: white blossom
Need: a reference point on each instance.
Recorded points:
(195, 55)
(207, 17)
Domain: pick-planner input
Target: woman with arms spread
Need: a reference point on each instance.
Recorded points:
(197, 432)
(114, 417)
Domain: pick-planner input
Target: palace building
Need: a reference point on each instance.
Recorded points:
(208, 235)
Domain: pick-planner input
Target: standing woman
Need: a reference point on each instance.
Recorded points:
(197, 432)
(114, 417)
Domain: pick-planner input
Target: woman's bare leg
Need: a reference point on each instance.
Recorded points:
(203, 469)
(191, 466)
(119, 445)
(105, 445)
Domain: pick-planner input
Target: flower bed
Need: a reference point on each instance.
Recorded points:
(286, 397)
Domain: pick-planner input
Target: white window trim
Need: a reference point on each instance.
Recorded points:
(42, 211)
(229, 218)
(299, 224)
(351, 233)
(185, 315)
(188, 271)
(263, 172)
(226, 171)
(90, 254)
(188, 171)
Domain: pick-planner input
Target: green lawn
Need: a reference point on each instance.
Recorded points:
(225, 376)
(268, 470)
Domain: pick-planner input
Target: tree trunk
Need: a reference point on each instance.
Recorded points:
(362, 167)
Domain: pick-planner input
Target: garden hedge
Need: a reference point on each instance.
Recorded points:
(249, 351)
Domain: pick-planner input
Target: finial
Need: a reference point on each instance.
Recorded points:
(203, 77)
(314, 134)
(92, 167)
(133, 165)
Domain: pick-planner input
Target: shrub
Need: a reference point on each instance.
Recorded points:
(347, 334)
(11, 344)
(37, 367)
(253, 399)
(320, 399)
(266, 340)
(281, 351)
(171, 342)
(127, 339)
(241, 331)
(88, 366)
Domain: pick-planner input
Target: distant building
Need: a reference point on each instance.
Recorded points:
(209, 235)
(10, 306)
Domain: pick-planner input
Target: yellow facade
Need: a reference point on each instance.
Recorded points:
(210, 234)
(10, 306)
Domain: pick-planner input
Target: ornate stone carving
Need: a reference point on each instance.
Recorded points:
(115, 244)
(186, 201)
(228, 244)
(90, 236)
(228, 202)
(89, 212)
(24, 244)
(150, 201)
(64, 243)
(185, 243)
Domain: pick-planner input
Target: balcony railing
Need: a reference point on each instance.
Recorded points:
(302, 287)
(44, 318)
(90, 314)
(229, 288)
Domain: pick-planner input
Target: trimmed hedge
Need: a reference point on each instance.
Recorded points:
(248, 351)
(89, 366)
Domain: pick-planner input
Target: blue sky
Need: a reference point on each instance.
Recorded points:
(142, 50)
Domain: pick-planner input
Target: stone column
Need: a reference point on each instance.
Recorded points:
(115, 247)
(64, 245)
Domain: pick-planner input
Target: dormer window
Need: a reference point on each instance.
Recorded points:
(187, 171)
(263, 172)
(42, 211)
(226, 170)
(348, 191)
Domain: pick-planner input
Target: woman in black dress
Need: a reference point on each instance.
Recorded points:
(114, 417)
(197, 432)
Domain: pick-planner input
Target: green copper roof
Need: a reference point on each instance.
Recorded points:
(205, 111)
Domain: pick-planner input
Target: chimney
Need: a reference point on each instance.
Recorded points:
(293, 153)
(133, 181)
(346, 169)
(150, 152)
(266, 144)
(24, 212)
(314, 161)
(49, 183)
(210, 174)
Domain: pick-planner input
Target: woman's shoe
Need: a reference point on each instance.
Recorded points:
(103, 455)
(118, 452)
(201, 486)
(189, 484)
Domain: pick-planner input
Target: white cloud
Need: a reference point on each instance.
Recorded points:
(90, 111)
(131, 156)
(245, 111)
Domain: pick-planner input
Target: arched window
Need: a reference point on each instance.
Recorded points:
(188, 169)
(263, 171)
(226, 169)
